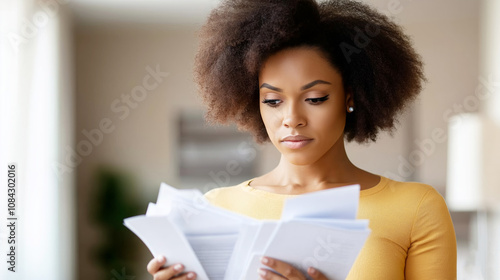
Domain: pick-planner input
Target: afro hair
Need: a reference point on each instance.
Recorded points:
(376, 59)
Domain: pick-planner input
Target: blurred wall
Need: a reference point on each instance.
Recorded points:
(110, 63)
(450, 47)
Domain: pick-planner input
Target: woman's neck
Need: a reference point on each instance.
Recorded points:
(332, 169)
(314, 176)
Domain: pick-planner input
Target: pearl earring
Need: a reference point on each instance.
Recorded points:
(350, 109)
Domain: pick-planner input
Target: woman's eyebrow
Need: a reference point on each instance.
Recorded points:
(266, 85)
(313, 83)
(304, 87)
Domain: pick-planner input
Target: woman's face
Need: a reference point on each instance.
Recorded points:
(302, 95)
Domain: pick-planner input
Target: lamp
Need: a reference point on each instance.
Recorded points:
(464, 178)
(473, 170)
(473, 174)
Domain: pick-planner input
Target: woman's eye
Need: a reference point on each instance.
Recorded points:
(272, 102)
(317, 101)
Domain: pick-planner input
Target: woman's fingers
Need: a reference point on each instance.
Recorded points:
(186, 276)
(288, 271)
(155, 268)
(316, 274)
(155, 264)
(170, 272)
(268, 274)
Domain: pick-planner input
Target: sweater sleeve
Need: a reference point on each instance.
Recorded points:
(433, 250)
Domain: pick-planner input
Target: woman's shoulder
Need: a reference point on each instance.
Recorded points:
(410, 187)
(412, 193)
(414, 206)
(408, 195)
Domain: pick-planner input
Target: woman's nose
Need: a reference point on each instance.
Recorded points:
(294, 117)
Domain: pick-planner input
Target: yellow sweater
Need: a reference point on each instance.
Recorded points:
(412, 233)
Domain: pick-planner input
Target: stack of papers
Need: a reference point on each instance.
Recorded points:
(316, 229)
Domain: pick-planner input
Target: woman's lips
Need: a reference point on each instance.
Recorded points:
(295, 141)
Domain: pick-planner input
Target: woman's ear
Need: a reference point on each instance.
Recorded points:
(349, 100)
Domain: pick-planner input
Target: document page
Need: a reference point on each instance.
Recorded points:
(317, 229)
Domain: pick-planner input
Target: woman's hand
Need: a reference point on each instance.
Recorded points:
(290, 272)
(173, 272)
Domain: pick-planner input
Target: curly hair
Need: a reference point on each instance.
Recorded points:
(376, 59)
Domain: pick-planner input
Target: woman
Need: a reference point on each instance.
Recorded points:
(306, 76)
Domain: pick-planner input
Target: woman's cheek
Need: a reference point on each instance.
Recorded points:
(270, 116)
(270, 122)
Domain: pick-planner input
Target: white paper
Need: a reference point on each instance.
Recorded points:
(258, 244)
(242, 246)
(317, 229)
(358, 224)
(334, 203)
(213, 252)
(163, 238)
(332, 251)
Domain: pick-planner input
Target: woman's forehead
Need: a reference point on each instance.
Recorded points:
(300, 65)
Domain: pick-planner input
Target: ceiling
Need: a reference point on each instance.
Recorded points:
(95, 12)
(194, 12)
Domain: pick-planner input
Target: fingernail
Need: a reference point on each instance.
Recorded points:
(178, 267)
(312, 271)
(262, 272)
(264, 260)
(160, 259)
(190, 275)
